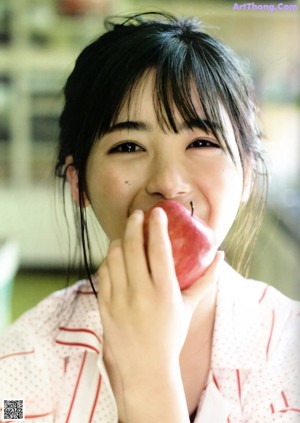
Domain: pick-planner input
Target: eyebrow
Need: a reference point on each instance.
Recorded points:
(129, 125)
(203, 124)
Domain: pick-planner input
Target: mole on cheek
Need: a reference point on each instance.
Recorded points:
(127, 183)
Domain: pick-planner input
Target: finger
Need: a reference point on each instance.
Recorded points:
(116, 267)
(196, 292)
(104, 282)
(134, 251)
(160, 254)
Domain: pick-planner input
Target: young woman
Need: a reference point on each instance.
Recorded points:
(156, 109)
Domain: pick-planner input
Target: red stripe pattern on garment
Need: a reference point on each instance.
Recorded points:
(4, 357)
(87, 390)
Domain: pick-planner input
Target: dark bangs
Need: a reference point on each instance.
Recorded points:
(186, 61)
(183, 57)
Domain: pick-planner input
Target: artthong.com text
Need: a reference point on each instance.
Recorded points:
(267, 7)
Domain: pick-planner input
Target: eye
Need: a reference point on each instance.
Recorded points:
(202, 143)
(126, 147)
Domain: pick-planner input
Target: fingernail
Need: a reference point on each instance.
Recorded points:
(157, 211)
(137, 214)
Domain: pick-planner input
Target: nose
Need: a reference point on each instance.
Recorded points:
(167, 179)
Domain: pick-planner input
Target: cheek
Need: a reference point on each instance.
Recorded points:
(109, 194)
(225, 200)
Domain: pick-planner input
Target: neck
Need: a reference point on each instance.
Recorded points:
(201, 328)
(195, 357)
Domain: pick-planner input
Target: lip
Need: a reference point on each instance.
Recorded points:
(186, 204)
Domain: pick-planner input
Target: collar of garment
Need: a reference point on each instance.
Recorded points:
(242, 326)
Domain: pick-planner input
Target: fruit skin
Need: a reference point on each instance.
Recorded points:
(193, 242)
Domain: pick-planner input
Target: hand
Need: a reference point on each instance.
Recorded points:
(138, 293)
(144, 313)
(146, 319)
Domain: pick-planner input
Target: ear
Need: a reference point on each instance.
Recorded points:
(72, 177)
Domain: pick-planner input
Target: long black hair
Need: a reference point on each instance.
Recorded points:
(182, 55)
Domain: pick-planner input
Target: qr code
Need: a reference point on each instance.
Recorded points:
(13, 410)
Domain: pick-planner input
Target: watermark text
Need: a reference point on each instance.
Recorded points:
(266, 7)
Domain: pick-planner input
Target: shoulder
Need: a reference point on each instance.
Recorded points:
(256, 347)
(36, 350)
(29, 343)
(257, 318)
(43, 319)
(30, 364)
(258, 294)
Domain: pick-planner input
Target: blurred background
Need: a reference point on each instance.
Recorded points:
(39, 42)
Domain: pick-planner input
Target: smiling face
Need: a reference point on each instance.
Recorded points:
(136, 164)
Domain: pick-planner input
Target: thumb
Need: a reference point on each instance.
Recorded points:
(194, 294)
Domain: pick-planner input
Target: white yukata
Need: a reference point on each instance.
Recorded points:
(51, 357)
